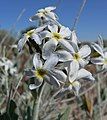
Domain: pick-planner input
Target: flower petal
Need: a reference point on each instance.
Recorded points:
(51, 62)
(64, 55)
(29, 73)
(82, 73)
(65, 32)
(51, 15)
(73, 69)
(100, 41)
(36, 61)
(48, 48)
(33, 18)
(69, 87)
(50, 8)
(45, 34)
(105, 54)
(74, 37)
(66, 45)
(34, 86)
(98, 61)
(76, 49)
(39, 29)
(83, 62)
(53, 28)
(97, 48)
(36, 38)
(60, 75)
(76, 85)
(21, 43)
(53, 80)
(84, 51)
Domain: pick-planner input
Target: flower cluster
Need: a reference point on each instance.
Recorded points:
(60, 59)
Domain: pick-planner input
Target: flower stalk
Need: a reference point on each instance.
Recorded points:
(37, 105)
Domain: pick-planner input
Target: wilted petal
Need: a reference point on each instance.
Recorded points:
(76, 85)
(51, 62)
(82, 73)
(21, 43)
(65, 44)
(36, 61)
(98, 61)
(48, 48)
(84, 51)
(53, 28)
(64, 55)
(97, 48)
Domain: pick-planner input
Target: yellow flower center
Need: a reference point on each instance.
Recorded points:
(57, 36)
(76, 56)
(29, 33)
(40, 73)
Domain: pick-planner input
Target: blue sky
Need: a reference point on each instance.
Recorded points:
(92, 21)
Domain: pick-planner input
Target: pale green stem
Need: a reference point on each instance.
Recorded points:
(37, 105)
(16, 88)
(7, 85)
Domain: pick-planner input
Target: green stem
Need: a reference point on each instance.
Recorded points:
(37, 105)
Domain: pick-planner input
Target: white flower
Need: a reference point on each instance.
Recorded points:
(8, 66)
(102, 60)
(46, 72)
(45, 13)
(56, 36)
(77, 55)
(34, 34)
(74, 75)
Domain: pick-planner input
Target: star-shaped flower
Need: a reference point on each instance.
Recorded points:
(33, 34)
(56, 36)
(75, 54)
(45, 15)
(46, 72)
(74, 76)
(102, 59)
